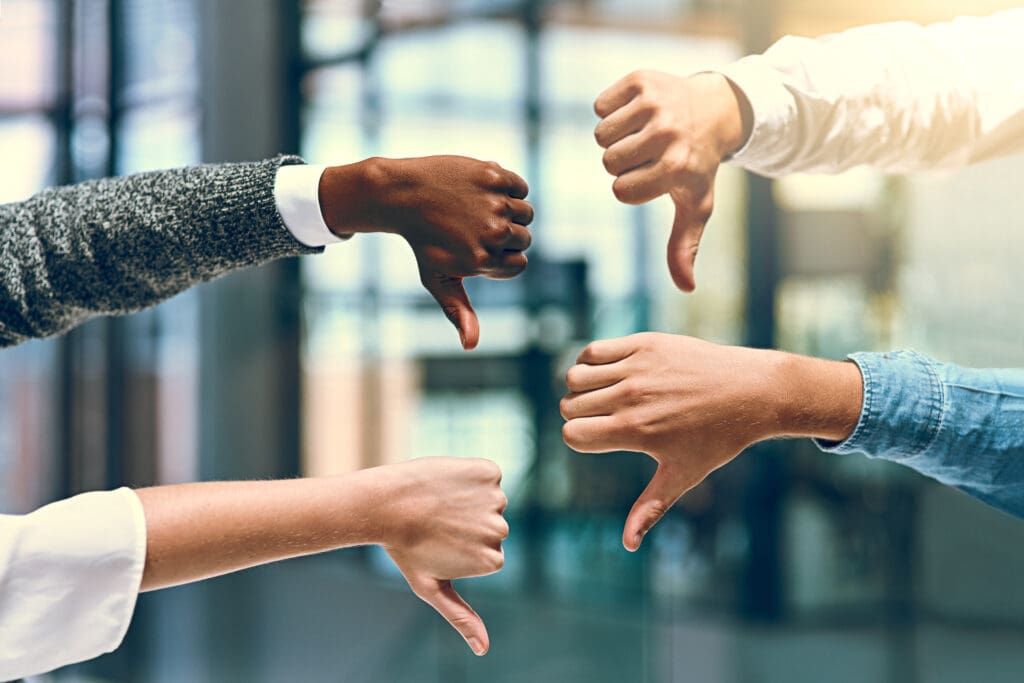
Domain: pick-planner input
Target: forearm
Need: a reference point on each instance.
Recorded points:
(899, 97)
(123, 244)
(195, 531)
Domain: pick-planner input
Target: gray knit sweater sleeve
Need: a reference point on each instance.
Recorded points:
(123, 244)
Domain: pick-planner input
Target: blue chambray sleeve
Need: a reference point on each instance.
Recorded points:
(963, 427)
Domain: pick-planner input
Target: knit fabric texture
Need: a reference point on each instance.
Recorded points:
(123, 244)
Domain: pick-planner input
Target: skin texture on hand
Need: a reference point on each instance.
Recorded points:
(461, 217)
(693, 406)
(438, 518)
(663, 134)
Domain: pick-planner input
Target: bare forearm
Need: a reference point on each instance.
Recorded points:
(195, 531)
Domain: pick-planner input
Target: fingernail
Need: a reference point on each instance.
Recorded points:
(476, 646)
(637, 540)
(462, 338)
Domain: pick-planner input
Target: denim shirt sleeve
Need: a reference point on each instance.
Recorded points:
(963, 427)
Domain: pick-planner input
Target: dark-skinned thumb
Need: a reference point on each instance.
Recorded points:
(452, 298)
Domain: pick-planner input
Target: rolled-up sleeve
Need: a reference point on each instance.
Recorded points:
(961, 426)
(69, 577)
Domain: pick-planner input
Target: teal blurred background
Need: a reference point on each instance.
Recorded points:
(787, 565)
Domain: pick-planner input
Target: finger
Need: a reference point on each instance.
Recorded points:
(517, 239)
(515, 186)
(590, 403)
(661, 494)
(642, 184)
(604, 351)
(452, 298)
(520, 211)
(617, 95)
(625, 121)
(511, 263)
(581, 378)
(683, 243)
(460, 615)
(632, 153)
(601, 434)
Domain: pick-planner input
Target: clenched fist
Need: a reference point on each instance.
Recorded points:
(663, 134)
(462, 217)
(443, 521)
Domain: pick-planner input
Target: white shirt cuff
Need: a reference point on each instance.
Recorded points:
(297, 192)
(773, 108)
(71, 573)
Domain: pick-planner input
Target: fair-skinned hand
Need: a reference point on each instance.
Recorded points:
(462, 217)
(444, 522)
(664, 134)
(438, 518)
(694, 406)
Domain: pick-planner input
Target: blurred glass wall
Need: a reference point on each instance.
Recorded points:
(809, 568)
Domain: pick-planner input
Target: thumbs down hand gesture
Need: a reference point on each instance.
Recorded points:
(689, 404)
(663, 134)
(462, 217)
(693, 406)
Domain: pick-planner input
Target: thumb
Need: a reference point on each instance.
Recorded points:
(687, 229)
(452, 298)
(460, 615)
(661, 494)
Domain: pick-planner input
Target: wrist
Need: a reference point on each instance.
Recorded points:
(733, 114)
(353, 197)
(384, 493)
(817, 398)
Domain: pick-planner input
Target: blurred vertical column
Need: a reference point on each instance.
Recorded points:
(761, 592)
(249, 355)
(249, 321)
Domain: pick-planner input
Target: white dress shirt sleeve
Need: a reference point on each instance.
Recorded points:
(69, 576)
(297, 193)
(899, 97)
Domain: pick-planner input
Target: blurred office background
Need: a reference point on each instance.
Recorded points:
(787, 565)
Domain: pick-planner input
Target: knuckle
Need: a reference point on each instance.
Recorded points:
(637, 78)
(498, 205)
(646, 104)
(656, 509)
(491, 174)
(628, 421)
(646, 340)
(498, 228)
(572, 378)
(480, 259)
(630, 392)
(463, 623)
